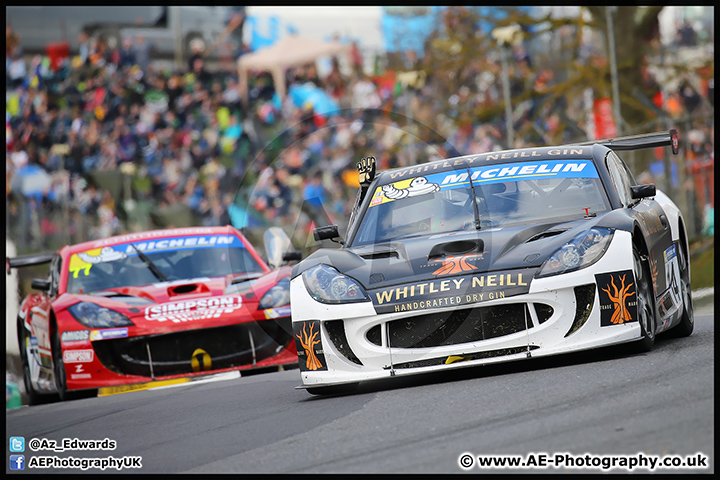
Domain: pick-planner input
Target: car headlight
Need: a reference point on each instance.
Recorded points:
(277, 296)
(580, 252)
(94, 316)
(327, 285)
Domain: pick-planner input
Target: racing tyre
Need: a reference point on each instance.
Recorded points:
(645, 303)
(687, 320)
(34, 397)
(346, 389)
(60, 379)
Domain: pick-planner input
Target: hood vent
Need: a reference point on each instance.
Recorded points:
(542, 235)
(380, 254)
(188, 288)
(459, 247)
(124, 297)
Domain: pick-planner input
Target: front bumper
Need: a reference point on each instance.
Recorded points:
(138, 359)
(351, 343)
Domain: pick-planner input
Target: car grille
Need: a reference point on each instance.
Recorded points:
(464, 357)
(336, 332)
(584, 299)
(459, 326)
(195, 350)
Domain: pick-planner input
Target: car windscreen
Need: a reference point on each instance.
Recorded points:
(176, 258)
(507, 194)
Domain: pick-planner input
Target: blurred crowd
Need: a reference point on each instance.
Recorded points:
(184, 137)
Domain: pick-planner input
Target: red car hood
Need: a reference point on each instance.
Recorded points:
(184, 304)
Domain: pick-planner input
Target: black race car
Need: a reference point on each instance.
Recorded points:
(490, 258)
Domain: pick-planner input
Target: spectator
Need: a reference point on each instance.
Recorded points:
(84, 47)
(142, 53)
(127, 53)
(17, 70)
(356, 58)
(201, 74)
(314, 193)
(364, 94)
(235, 23)
(686, 35)
(196, 52)
(184, 139)
(12, 40)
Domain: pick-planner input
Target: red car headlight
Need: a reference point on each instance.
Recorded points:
(277, 296)
(95, 316)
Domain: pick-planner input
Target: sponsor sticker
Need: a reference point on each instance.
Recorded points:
(200, 360)
(108, 333)
(461, 290)
(277, 312)
(183, 243)
(672, 277)
(78, 356)
(473, 160)
(669, 254)
(618, 299)
(190, 310)
(487, 174)
(311, 356)
(458, 264)
(74, 335)
(83, 261)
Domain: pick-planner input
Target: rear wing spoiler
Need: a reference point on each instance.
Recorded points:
(638, 142)
(28, 260)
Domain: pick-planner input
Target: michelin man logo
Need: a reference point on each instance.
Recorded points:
(418, 186)
(84, 261)
(106, 254)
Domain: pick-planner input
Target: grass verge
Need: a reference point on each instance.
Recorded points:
(702, 269)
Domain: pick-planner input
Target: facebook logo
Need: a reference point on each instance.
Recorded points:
(17, 462)
(17, 444)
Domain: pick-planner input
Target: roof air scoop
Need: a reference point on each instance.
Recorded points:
(459, 247)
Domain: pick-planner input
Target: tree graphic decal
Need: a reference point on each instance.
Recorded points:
(620, 312)
(308, 342)
(653, 268)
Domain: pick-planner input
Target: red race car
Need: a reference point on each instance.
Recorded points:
(156, 305)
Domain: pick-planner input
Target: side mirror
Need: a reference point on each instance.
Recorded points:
(42, 285)
(326, 233)
(277, 243)
(292, 257)
(643, 191)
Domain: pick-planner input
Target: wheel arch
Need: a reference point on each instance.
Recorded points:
(52, 322)
(20, 328)
(638, 240)
(683, 240)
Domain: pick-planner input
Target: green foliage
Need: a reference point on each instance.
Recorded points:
(455, 57)
(702, 269)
